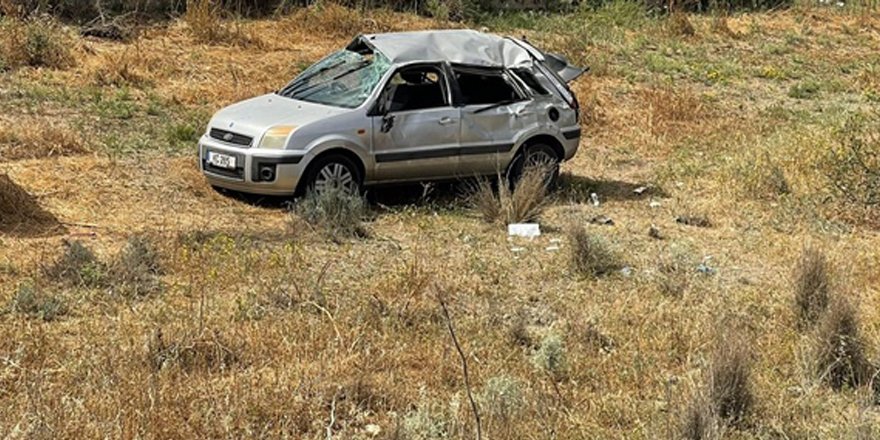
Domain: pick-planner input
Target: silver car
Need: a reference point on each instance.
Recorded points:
(400, 107)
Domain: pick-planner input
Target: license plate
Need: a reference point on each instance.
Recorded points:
(221, 160)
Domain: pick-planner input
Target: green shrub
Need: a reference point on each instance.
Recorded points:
(550, 357)
(590, 255)
(78, 266)
(502, 397)
(30, 302)
(804, 90)
(137, 269)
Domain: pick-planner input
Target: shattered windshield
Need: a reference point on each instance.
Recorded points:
(343, 79)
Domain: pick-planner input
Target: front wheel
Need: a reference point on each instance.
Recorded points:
(333, 171)
(536, 156)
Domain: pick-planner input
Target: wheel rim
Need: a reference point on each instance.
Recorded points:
(540, 159)
(335, 175)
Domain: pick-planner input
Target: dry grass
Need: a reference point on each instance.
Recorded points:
(26, 141)
(269, 334)
(674, 109)
(812, 286)
(336, 213)
(524, 203)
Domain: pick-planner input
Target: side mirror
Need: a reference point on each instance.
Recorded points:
(387, 123)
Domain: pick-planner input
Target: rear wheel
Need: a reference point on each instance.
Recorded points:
(334, 171)
(537, 156)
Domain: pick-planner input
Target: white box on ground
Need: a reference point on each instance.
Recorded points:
(528, 230)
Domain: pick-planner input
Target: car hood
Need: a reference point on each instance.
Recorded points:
(254, 116)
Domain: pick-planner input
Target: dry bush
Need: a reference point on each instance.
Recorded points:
(124, 68)
(32, 141)
(699, 421)
(840, 359)
(205, 24)
(332, 20)
(590, 255)
(761, 176)
(523, 204)
(551, 358)
(678, 24)
(811, 286)
(727, 398)
(31, 302)
(335, 212)
(730, 387)
(20, 212)
(135, 272)
(671, 109)
(205, 351)
(37, 42)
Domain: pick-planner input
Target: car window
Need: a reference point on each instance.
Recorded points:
(529, 79)
(416, 88)
(343, 79)
(484, 87)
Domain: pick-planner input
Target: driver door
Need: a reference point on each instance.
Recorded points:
(415, 127)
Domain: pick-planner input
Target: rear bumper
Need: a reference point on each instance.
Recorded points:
(287, 167)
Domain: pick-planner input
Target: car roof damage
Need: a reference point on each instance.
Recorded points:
(455, 46)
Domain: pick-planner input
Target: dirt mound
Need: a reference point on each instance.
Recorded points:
(21, 214)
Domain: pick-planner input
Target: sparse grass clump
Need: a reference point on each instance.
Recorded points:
(424, 423)
(205, 24)
(31, 302)
(78, 266)
(805, 90)
(730, 388)
(840, 359)
(206, 351)
(728, 398)
(137, 269)
(550, 357)
(671, 109)
(334, 211)
(811, 286)
(522, 204)
(502, 397)
(36, 42)
(590, 254)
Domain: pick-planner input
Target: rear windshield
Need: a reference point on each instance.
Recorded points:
(343, 79)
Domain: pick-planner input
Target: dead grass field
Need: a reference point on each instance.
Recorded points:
(259, 326)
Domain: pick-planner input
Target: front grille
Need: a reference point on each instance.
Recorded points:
(230, 137)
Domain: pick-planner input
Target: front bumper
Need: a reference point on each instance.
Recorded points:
(287, 168)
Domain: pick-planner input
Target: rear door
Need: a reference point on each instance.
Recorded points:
(493, 111)
(416, 128)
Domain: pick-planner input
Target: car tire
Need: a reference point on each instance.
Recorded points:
(535, 154)
(333, 169)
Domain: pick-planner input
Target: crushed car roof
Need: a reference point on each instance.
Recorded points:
(455, 46)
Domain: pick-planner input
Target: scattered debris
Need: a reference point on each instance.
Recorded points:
(552, 248)
(602, 220)
(626, 271)
(704, 267)
(527, 230)
(654, 204)
(372, 429)
(694, 220)
(654, 232)
(594, 198)
(640, 190)
(517, 249)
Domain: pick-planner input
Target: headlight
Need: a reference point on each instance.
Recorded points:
(276, 137)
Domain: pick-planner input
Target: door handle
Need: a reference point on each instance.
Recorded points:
(446, 120)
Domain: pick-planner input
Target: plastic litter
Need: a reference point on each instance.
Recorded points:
(527, 230)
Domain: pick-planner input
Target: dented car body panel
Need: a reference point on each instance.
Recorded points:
(401, 107)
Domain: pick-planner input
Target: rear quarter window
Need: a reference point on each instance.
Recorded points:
(529, 79)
